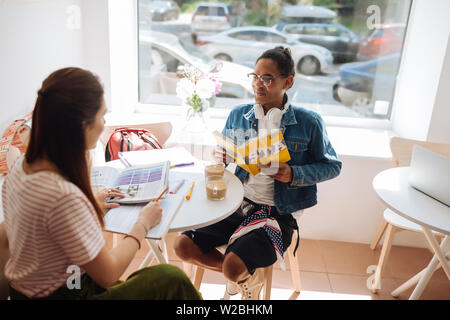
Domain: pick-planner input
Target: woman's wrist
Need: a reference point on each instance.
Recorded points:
(140, 223)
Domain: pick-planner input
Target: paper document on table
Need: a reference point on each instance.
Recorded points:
(123, 218)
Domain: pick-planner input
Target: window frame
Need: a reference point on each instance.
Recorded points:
(330, 120)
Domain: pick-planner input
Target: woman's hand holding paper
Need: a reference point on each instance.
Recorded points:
(102, 194)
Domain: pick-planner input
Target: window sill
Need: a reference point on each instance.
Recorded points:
(348, 141)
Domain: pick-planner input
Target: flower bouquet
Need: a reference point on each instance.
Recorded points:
(197, 89)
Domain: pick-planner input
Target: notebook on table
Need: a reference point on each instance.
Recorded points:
(123, 218)
(430, 174)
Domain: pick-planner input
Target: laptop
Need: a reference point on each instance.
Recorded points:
(430, 173)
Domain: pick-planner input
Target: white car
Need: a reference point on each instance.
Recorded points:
(212, 17)
(167, 56)
(244, 45)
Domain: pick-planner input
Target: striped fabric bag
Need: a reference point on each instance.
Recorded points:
(14, 141)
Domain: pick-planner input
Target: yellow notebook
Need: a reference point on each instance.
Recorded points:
(256, 153)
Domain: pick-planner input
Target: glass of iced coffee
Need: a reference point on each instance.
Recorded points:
(214, 169)
(216, 187)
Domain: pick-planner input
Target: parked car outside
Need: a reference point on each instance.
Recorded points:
(159, 10)
(309, 14)
(383, 40)
(359, 83)
(169, 55)
(212, 17)
(342, 42)
(244, 45)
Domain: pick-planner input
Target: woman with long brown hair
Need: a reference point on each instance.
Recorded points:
(53, 221)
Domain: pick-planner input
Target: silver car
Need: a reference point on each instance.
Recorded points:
(164, 56)
(342, 42)
(212, 17)
(244, 45)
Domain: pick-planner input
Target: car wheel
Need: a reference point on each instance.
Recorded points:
(223, 56)
(308, 65)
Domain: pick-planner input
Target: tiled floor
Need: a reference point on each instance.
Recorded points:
(333, 270)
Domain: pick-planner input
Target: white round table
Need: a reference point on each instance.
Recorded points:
(198, 211)
(393, 189)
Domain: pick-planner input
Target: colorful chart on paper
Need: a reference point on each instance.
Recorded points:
(140, 176)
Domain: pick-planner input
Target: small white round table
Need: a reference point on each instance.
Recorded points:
(393, 189)
(198, 211)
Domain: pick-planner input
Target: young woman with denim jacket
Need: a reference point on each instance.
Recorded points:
(260, 231)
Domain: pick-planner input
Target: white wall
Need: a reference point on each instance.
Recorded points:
(439, 125)
(96, 42)
(348, 208)
(419, 75)
(123, 48)
(35, 40)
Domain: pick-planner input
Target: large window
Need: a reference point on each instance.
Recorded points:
(346, 52)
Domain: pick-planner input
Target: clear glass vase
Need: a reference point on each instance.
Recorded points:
(195, 122)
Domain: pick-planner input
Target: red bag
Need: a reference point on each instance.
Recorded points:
(130, 139)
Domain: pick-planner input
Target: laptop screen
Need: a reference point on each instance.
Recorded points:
(430, 174)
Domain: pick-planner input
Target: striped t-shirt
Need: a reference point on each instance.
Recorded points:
(50, 225)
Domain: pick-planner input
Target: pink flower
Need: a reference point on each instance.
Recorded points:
(218, 85)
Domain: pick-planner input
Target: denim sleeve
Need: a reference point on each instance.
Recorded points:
(325, 164)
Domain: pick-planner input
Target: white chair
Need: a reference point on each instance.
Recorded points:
(392, 223)
(267, 284)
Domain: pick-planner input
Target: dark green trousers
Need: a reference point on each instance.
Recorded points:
(160, 282)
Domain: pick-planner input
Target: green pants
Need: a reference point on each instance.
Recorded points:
(161, 282)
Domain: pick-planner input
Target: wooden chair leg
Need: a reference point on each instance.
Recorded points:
(267, 282)
(198, 277)
(187, 268)
(295, 269)
(379, 234)
(387, 244)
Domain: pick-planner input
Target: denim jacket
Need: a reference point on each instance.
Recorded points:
(313, 158)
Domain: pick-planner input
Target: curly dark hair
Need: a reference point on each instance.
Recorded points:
(283, 57)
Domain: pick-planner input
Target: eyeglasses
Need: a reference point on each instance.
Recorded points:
(265, 78)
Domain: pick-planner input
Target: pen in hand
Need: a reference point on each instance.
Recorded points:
(160, 196)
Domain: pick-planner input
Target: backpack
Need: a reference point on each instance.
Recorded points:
(130, 139)
(14, 141)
